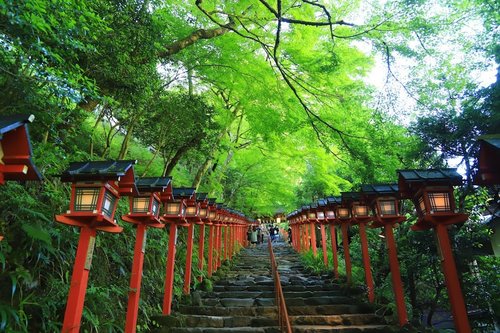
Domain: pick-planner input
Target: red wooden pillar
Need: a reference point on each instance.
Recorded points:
(366, 262)
(397, 285)
(231, 241)
(307, 237)
(135, 279)
(333, 239)
(347, 255)
(226, 240)
(79, 280)
(189, 259)
(323, 245)
(201, 251)
(219, 246)
(313, 239)
(211, 231)
(458, 309)
(169, 276)
(298, 238)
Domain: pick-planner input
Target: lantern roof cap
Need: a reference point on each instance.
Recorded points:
(97, 170)
(350, 196)
(184, 193)
(305, 207)
(153, 184)
(333, 200)
(314, 205)
(212, 201)
(10, 123)
(380, 189)
(411, 180)
(322, 202)
(201, 196)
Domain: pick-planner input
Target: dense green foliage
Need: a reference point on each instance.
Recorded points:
(263, 105)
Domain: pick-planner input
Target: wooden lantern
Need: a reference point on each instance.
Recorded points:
(145, 206)
(95, 190)
(431, 191)
(15, 149)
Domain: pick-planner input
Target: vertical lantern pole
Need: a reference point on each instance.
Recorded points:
(313, 239)
(231, 241)
(201, 251)
(211, 231)
(307, 237)
(347, 255)
(366, 262)
(79, 280)
(333, 239)
(219, 246)
(226, 229)
(169, 276)
(189, 259)
(323, 244)
(457, 303)
(397, 285)
(135, 279)
(299, 238)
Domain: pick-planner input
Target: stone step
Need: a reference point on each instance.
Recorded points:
(181, 320)
(342, 319)
(336, 309)
(272, 329)
(269, 294)
(344, 329)
(319, 300)
(270, 311)
(312, 287)
(222, 288)
(237, 302)
(238, 294)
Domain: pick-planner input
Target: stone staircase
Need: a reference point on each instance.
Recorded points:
(243, 301)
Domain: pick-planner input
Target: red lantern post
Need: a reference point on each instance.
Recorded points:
(95, 191)
(144, 213)
(212, 215)
(432, 193)
(321, 217)
(311, 220)
(192, 216)
(15, 150)
(385, 205)
(361, 216)
(175, 214)
(203, 220)
(344, 216)
(332, 203)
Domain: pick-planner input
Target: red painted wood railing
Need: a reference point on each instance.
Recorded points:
(283, 318)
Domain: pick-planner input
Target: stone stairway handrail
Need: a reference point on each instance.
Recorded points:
(283, 318)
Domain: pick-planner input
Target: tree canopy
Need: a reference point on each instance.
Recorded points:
(265, 105)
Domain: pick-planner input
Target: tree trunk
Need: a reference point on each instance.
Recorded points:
(413, 294)
(126, 141)
(190, 81)
(201, 172)
(173, 162)
(434, 305)
(98, 120)
(150, 162)
(109, 139)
